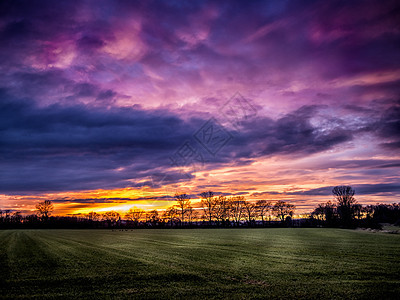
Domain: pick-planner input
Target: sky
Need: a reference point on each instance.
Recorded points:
(118, 104)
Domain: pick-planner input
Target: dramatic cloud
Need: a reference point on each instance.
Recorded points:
(363, 189)
(106, 95)
(76, 147)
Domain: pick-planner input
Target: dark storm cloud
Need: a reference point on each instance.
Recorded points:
(382, 119)
(79, 147)
(389, 127)
(291, 134)
(361, 189)
(392, 189)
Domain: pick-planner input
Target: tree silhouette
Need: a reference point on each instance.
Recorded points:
(183, 205)
(344, 195)
(170, 215)
(134, 215)
(192, 214)
(237, 206)
(325, 213)
(152, 217)
(345, 198)
(93, 216)
(208, 203)
(282, 209)
(44, 209)
(249, 211)
(263, 207)
(222, 209)
(111, 217)
(318, 213)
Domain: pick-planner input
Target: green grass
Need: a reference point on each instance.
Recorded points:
(200, 263)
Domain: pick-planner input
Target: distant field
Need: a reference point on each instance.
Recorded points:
(199, 263)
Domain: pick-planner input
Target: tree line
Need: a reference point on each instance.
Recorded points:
(217, 211)
(346, 212)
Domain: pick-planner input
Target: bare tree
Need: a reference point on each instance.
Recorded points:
(263, 207)
(192, 214)
(222, 209)
(330, 212)
(345, 198)
(183, 205)
(111, 217)
(93, 216)
(283, 209)
(344, 195)
(249, 211)
(134, 215)
(237, 208)
(152, 216)
(170, 215)
(208, 203)
(44, 209)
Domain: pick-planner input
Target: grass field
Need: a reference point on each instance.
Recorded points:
(198, 263)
